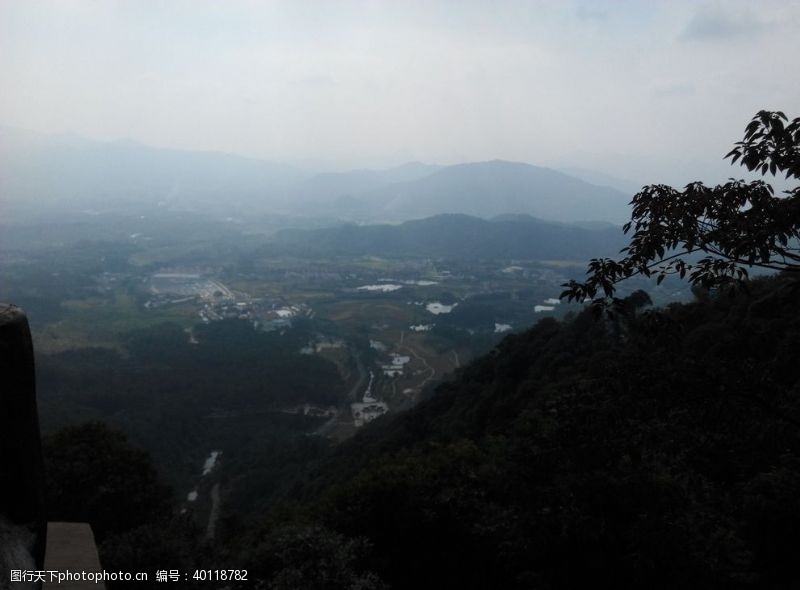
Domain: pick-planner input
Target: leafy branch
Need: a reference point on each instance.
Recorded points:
(738, 225)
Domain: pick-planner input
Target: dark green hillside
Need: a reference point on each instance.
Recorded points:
(660, 449)
(459, 237)
(180, 400)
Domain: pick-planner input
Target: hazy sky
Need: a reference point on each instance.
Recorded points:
(648, 90)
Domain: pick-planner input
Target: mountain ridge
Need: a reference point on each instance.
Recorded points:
(68, 168)
(571, 456)
(459, 236)
(497, 187)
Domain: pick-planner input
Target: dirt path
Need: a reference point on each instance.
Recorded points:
(352, 396)
(213, 515)
(424, 362)
(362, 376)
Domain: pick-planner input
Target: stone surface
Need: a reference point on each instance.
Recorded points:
(71, 548)
(22, 512)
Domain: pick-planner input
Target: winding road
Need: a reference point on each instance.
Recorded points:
(213, 515)
(352, 396)
(419, 358)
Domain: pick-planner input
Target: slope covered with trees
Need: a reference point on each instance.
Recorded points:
(655, 448)
(165, 391)
(642, 448)
(660, 449)
(457, 237)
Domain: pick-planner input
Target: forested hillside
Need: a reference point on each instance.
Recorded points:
(623, 445)
(180, 399)
(402, 295)
(658, 449)
(458, 236)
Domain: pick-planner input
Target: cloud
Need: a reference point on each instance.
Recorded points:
(316, 81)
(586, 13)
(712, 25)
(672, 88)
(434, 80)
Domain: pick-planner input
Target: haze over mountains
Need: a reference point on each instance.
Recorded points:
(488, 189)
(328, 187)
(66, 169)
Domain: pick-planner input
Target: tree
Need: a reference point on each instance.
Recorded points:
(94, 475)
(312, 558)
(737, 225)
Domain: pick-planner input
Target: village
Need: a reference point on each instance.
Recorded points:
(410, 315)
(218, 302)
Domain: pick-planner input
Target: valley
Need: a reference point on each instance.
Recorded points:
(321, 344)
(400, 295)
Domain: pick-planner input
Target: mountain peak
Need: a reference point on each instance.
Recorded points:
(499, 187)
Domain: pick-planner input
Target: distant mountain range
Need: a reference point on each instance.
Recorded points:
(489, 189)
(330, 187)
(68, 167)
(69, 170)
(460, 237)
(601, 179)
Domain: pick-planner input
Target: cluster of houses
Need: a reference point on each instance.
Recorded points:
(265, 314)
(368, 408)
(312, 410)
(321, 343)
(219, 302)
(395, 367)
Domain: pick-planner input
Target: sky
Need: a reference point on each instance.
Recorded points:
(645, 90)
